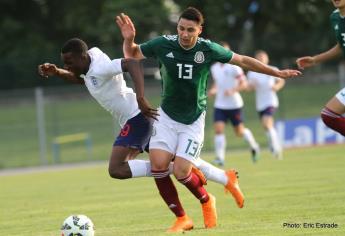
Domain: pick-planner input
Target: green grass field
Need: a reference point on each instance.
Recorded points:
(306, 187)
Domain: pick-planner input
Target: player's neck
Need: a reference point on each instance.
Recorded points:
(342, 11)
(88, 63)
(187, 48)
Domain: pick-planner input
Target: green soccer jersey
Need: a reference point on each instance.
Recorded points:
(338, 24)
(184, 74)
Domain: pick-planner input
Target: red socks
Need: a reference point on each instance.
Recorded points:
(193, 183)
(168, 191)
(333, 120)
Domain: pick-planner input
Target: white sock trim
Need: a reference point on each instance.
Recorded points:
(212, 173)
(220, 146)
(248, 136)
(140, 168)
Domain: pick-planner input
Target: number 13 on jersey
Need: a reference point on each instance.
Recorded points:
(193, 148)
(185, 71)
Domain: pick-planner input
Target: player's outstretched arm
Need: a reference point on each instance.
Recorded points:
(252, 64)
(130, 48)
(135, 69)
(309, 61)
(47, 70)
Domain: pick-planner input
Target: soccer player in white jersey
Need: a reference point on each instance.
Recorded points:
(266, 88)
(228, 81)
(104, 80)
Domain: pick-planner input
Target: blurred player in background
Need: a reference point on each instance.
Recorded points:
(184, 61)
(333, 112)
(228, 81)
(266, 88)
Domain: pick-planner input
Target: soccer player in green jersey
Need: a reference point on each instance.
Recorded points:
(184, 61)
(333, 112)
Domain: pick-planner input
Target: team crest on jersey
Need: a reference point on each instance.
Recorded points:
(336, 27)
(93, 81)
(199, 57)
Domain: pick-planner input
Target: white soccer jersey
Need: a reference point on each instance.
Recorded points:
(263, 84)
(105, 82)
(226, 77)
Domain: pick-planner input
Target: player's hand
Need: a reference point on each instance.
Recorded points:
(146, 108)
(126, 26)
(305, 62)
(288, 73)
(45, 70)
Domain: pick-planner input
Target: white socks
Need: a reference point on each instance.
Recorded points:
(248, 136)
(274, 140)
(212, 173)
(142, 168)
(220, 146)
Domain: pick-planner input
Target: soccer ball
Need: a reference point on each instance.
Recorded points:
(77, 225)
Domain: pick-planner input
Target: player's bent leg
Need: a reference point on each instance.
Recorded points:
(118, 165)
(332, 114)
(226, 178)
(239, 129)
(160, 161)
(333, 120)
(195, 186)
(337, 103)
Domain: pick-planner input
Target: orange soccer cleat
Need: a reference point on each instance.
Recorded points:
(201, 175)
(210, 212)
(182, 223)
(233, 187)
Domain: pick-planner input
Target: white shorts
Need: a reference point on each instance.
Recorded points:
(341, 96)
(182, 140)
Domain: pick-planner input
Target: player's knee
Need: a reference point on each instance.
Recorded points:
(328, 118)
(239, 134)
(181, 173)
(218, 132)
(117, 173)
(333, 121)
(159, 165)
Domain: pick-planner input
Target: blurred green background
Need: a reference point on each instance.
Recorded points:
(33, 31)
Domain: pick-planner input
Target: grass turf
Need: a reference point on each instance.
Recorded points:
(306, 187)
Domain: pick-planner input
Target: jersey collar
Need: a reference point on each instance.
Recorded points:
(186, 49)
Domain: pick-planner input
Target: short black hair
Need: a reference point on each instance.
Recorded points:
(74, 45)
(193, 14)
